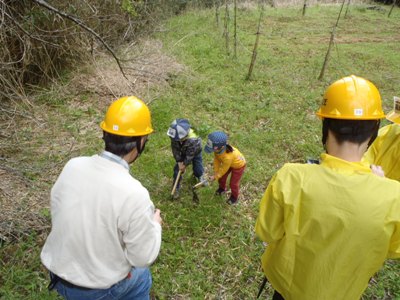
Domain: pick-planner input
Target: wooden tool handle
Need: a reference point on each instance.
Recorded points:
(176, 182)
(198, 185)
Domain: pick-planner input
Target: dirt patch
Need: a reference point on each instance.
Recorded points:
(37, 139)
(145, 66)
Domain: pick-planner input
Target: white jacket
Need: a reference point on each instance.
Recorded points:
(102, 224)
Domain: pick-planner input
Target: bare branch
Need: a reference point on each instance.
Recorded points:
(22, 55)
(82, 25)
(27, 33)
(2, 10)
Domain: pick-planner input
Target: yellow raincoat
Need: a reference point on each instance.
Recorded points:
(329, 228)
(385, 151)
(225, 160)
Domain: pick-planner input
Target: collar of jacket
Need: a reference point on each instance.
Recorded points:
(191, 135)
(115, 158)
(334, 162)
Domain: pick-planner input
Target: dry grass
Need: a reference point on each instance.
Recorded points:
(34, 143)
(293, 3)
(19, 207)
(145, 65)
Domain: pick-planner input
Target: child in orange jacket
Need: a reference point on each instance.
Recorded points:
(227, 160)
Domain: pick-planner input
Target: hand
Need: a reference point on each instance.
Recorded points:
(377, 170)
(157, 216)
(212, 178)
(181, 167)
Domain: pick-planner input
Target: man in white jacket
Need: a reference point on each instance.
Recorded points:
(105, 229)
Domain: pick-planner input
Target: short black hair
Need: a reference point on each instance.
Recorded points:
(355, 131)
(120, 145)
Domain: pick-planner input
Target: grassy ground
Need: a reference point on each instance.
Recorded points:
(209, 250)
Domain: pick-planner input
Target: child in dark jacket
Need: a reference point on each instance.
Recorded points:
(186, 149)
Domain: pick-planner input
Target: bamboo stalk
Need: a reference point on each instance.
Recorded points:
(304, 7)
(226, 27)
(321, 75)
(254, 56)
(347, 8)
(235, 30)
(390, 11)
(217, 4)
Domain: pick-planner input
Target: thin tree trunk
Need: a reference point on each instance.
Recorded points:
(321, 75)
(254, 56)
(235, 30)
(217, 12)
(347, 8)
(226, 27)
(390, 11)
(304, 7)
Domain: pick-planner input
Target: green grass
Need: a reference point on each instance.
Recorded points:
(209, 250)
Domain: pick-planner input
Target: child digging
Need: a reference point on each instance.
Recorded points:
(227, 160)
(186, 149)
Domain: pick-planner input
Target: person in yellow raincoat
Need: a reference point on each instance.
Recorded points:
(227, 160)
(330, 226)
(385, 150)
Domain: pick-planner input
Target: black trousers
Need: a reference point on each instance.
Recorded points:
(277, 296)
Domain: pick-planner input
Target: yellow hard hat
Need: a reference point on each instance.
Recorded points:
(394, 115)
(128, 116)
(351, 98)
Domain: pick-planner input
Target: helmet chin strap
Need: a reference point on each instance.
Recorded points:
(324, 133)
(222, 150)
(139, 147)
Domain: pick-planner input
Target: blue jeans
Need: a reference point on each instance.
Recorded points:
(198, 169)
(136, 287)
